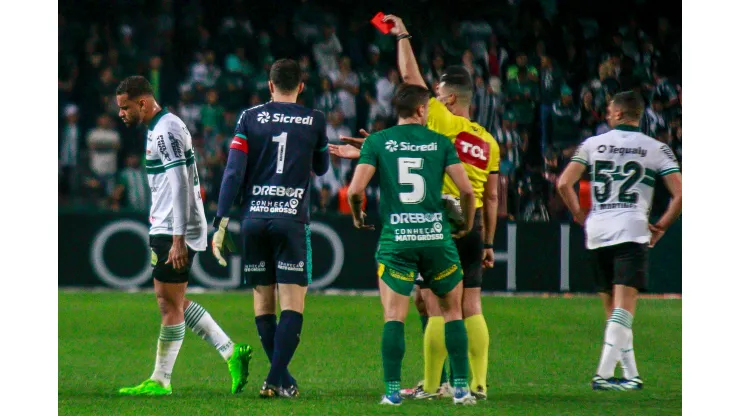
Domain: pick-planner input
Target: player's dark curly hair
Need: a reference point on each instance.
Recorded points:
(135, 86)
(630, 103)
(408, 98)
(285, 74)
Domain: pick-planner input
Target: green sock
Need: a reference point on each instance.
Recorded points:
(393, 348)
(424, 321)
(456, 341)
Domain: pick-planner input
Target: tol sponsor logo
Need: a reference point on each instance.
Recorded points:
(255, 267)
(415, 218)
(290, 266)
(274, 190)
(472, 150)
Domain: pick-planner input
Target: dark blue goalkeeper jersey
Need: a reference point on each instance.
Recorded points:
(275, 148)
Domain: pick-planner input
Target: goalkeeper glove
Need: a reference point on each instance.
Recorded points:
(222, 241)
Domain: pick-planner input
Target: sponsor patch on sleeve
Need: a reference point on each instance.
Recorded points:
(239, 143)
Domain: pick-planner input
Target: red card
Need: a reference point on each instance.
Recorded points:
(382, 26)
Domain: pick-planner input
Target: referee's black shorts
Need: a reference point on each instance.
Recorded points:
(470, 250)
(622, 264)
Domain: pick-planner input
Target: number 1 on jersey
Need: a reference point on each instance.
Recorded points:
(282, 141)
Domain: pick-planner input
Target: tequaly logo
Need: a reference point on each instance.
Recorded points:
(472, 150)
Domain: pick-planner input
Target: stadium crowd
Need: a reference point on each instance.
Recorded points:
(542, 74)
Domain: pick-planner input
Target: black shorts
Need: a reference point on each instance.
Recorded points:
(470, 250)
(165, 273)
(276, 251)
(623, 264)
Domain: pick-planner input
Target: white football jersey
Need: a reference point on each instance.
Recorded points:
(170, 165)
(624, 165)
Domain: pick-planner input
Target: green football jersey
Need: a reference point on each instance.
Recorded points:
(411, 162)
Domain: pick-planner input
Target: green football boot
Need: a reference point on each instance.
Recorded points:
(147, 388)
(239, 367)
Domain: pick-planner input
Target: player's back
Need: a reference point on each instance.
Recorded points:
(281, 139)
(624, 165)
(411, 161)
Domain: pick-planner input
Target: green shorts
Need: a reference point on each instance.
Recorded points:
(439, 267)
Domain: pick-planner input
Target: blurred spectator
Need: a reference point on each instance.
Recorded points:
(455, 45)
(551, 79)
(327, 101)
(434, 73)
(566, 121)
(497, 57)
(655, 118)
(329, 184)
(347, 84)
(212, 115)
(386, 87)
(512, 73)
(511, 145)
(237, 63)
(106, 89)
(205, 71)
(468, 62)
(188, 110)
(591, 116)
(487, 102)
(326, 52)
(69, 152)
(375, 110)
(132, 188)
(335, 128)
(104, 142)
(127, 50)
(521, 95)
(664, 90)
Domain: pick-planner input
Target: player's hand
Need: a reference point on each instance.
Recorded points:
(360, 222)
(580, 218)
(398, 26)
(345, 151)
(355, 141)
(656, 234)
(178, 255)
(462, 232)
(488, 258)
(222, 242)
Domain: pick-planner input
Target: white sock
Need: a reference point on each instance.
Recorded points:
(615, 339)
(170, 340)
(629, 364)
(200, 321)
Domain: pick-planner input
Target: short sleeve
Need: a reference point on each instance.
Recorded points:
(667, 162)
(451, 157)
(322, 142)
(442, 121)
(171, 146)
(582, 155)
(368, 153)
(494, 156)
(239, 142)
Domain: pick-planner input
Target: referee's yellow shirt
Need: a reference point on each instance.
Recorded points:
(477, 149)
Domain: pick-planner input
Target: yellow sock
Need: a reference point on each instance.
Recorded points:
(477, 350)
(435, 353)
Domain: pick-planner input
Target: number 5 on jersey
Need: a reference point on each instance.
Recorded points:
(405, 177)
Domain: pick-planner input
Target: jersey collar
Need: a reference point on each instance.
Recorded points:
(625, 127)
(156, 118)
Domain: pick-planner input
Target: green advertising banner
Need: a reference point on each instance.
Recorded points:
(111, 250)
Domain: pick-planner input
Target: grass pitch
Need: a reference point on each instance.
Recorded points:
(543, 354)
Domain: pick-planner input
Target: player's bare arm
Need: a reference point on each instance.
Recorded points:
(467, 197)
(567, 181)
(345, 151)
(355, 141)
(490, 214)
(356, 193)
(673, 182)
(407, 65)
